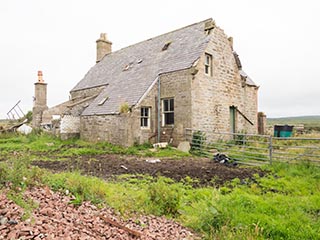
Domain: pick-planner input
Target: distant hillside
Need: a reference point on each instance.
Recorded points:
(310, 122)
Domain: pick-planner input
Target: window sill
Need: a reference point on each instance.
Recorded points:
(168, 126)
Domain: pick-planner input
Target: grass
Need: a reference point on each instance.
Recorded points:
(284, 204)
(311, 123)
(44, 144)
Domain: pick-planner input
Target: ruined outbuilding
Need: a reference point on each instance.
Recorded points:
(156, 89)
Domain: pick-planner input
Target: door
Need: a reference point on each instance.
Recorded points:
(233, 111)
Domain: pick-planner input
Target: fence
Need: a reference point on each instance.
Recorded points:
(254, 149)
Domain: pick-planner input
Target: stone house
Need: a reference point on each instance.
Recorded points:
(154, 90)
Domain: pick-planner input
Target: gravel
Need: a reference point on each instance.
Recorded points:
(55, 218)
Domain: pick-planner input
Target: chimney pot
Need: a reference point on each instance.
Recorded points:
(103, 36)
(40, 79)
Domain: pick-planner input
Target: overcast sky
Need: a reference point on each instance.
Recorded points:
(278, 43)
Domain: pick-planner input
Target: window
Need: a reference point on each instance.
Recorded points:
(208, 64)
(145, 117)
(168, 111)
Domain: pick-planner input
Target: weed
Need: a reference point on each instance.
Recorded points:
(164, 197)
(28, 205)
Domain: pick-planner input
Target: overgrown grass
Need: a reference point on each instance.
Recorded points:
(281, 205)
(44, 144)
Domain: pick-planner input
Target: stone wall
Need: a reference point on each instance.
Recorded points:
(177, 85)
(125, 129)
(214, 95)
(111, 128)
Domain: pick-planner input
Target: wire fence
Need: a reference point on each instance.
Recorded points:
(253, 149)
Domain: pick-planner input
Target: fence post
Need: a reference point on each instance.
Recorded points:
(270, 149)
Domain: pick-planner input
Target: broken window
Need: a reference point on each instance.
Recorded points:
(208, 64)
(168, 111)
(145, 117)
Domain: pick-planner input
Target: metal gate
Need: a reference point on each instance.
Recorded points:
(253, 149)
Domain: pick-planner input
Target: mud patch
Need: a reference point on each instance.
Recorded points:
(206, 171)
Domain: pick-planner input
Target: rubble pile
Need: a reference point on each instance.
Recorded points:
(53, 217)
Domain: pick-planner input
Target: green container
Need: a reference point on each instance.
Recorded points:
(283, 131)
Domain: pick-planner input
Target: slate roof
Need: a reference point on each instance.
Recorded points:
(129, 72)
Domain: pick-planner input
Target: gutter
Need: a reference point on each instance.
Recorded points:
(159, 115)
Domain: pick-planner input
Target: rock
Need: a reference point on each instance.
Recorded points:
(153, 160)
(3, 220)
(56, 219)
(24, 129)
(184, 146)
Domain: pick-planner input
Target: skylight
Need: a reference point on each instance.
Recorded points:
(103, 101)
(166, 45)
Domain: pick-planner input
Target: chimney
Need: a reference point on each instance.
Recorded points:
(40, 100)
(103, 46)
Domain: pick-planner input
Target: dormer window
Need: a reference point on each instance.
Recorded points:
(208, 64)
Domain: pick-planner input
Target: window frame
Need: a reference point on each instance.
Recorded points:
(144, 116)
(208, 64)
(167, 112)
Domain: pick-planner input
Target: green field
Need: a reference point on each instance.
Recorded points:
(309, 122)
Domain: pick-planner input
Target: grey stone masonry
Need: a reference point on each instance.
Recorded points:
(40, 103)
(194, 67)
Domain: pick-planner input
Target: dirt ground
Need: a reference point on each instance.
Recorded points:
(206, 171)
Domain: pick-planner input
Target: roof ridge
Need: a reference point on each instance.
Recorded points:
(178, 29)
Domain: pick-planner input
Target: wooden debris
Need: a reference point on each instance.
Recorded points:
(118, 225)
